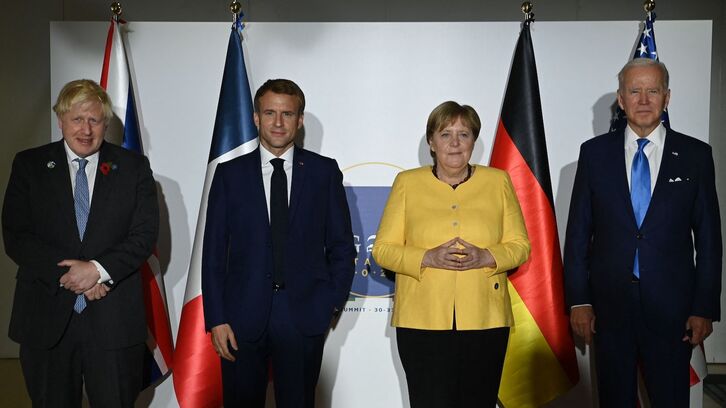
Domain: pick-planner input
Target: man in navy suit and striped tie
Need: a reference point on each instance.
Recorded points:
(643, 201)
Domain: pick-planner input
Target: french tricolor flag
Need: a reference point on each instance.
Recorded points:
(197, 370)
(116, 79)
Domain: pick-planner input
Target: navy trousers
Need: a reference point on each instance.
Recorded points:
(295, 360)
(664, 361)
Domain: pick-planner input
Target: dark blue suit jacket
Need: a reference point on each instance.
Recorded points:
(683, 215)
(237, 258)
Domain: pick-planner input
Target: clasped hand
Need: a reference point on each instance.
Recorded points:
(82, 277)
(458, 255)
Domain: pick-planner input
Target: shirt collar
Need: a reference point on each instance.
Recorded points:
(266, 156)
(71, 156)
(657, 136)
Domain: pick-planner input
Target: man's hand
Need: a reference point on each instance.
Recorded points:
(220, 336)
(97, 292)
(697, 329)
(81, 276)
(582, 320)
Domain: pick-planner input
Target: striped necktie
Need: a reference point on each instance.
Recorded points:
(82, 206)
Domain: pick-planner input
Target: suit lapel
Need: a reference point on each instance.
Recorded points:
(298, 180)
(619, 172)
(667, 163)
(61, 182)
(102, 185)
(255, 185)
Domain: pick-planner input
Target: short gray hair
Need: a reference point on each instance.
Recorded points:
(644, 62)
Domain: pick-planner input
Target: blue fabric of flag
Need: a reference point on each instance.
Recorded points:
(234, 124)
(132, 135)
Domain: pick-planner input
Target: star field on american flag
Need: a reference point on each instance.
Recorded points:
(647, 40)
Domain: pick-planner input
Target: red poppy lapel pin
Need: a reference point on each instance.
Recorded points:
(107, 167)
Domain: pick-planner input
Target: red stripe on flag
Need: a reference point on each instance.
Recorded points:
(539, 280)
(156, 317)
(107, 55)
(694, 377)
(195, 360)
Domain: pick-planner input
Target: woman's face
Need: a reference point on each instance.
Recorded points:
(453, 146)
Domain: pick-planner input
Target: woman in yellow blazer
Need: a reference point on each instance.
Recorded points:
(450, 232)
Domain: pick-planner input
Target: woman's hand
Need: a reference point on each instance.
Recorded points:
(444, 256)
(475, 257)
(458, 255)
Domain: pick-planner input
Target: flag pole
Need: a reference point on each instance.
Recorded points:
(117, 10)
(649, 5)
(528, 13)
(235, 7)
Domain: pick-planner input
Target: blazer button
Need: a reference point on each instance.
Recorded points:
(639, 236)
(496, 286)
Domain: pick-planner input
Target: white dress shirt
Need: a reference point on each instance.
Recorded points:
(91, 168)
(267, 169)
(653, 151)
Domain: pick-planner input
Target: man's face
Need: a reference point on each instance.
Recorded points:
(83, 127)
(278, 121)
(643, 98)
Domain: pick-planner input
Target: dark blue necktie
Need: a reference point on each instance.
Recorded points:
(82, 205)
(278, 219)
(639, 191)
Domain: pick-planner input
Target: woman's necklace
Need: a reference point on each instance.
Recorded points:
(468, 175)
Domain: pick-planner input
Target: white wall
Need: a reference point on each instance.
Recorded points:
(369, 88)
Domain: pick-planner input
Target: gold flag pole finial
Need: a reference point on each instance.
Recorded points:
(235, 8)
(527, 10)
(649, 5)
(116, 9)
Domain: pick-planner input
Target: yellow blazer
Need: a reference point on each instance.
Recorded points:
(423, 212)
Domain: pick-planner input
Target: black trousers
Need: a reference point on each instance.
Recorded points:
(295, 360)
(664, 361)
(452, 369)
(55, 377)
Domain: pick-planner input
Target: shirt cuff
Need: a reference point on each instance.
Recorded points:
(105, 277)
(582, 305)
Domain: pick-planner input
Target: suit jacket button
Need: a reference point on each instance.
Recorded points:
(639, 236)
(496, 286)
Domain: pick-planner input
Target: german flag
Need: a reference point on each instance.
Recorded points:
(540, 363)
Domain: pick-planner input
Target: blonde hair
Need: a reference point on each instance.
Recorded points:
(79, 91)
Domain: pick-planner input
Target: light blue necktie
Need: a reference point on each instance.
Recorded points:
(639, 191)
(82, 205)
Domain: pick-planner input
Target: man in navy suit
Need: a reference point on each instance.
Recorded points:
(275, 270)
(80, 216)
(644, 199)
